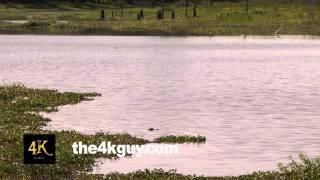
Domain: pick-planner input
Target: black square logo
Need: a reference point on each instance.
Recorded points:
(39, 148)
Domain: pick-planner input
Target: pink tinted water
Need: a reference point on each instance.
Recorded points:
(255, 99)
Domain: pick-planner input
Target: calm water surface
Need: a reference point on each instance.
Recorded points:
(256, 99)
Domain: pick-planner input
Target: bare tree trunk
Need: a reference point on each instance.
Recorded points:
(186, 13)
(247, 6)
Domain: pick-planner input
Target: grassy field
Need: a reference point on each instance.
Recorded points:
(223, 18)
(19, 114)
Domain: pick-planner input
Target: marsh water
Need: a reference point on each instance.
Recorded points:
(255, 99)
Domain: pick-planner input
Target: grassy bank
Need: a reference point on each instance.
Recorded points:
(222, 18)
(19, 114)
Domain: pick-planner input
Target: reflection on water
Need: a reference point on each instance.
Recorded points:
(256, 100)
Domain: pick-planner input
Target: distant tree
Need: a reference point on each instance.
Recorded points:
(141, 13)
(160, 14)
(132, 2)
(186, 11)
(186, 2)
(102, 15)
(173, 14)
(211, 3)
(247, 6)
(195, 10)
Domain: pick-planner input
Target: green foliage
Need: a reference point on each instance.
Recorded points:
(305, 168)
(158, 174)
(180, 139)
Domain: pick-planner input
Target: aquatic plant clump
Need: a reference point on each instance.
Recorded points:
(180, 139)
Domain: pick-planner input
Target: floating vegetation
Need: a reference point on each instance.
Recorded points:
(180, 139)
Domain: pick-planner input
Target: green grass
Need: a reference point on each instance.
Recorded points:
(221, 19)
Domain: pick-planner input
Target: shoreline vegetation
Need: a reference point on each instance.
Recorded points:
(161, 18)
(19, 113)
